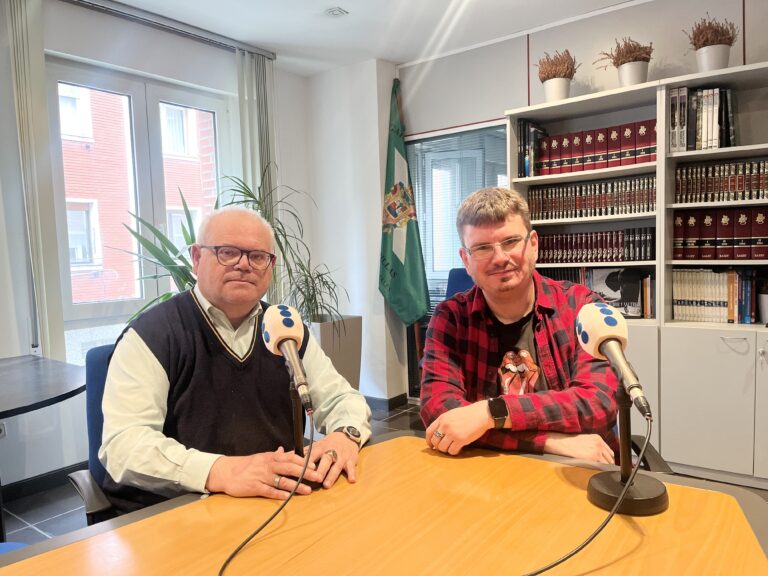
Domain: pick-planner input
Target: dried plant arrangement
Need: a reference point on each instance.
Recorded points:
(561, 65)
(709, 32)
(627, 50)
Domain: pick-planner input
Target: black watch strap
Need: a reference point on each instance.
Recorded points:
(499, 411)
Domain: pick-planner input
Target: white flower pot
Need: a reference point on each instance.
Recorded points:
(556, 89)
(633, 73)
(713, 57)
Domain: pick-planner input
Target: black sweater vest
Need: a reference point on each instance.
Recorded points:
(217, 402)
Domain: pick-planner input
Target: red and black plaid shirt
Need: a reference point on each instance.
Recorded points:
(457, 371)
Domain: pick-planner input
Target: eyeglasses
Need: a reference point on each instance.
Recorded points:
(508, 246)
(231, 255)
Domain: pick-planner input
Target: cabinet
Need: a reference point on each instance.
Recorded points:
(711, 377)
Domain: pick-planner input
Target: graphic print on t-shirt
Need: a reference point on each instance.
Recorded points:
(518, 372)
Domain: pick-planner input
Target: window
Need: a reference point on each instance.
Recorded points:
(445, 170)
(178, 128)
(75, 112)
(80, 233)
(176, 221)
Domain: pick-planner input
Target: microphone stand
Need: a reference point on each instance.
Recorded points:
(298, 431)
(647, 495)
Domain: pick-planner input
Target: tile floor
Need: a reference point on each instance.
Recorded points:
(36, 517)
(59, 510)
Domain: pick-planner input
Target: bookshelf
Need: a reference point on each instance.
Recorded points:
(683, 365)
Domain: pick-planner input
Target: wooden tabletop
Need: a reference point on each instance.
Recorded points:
(30, 382)
(416, 511)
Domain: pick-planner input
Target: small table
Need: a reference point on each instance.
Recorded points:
(28, 383)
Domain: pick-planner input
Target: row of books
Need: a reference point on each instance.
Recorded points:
(540, 154)
(720, 234)
(701, 119)
(631, 290)
(628, 245)
(635, 195)
(702, 295)
(723, 181)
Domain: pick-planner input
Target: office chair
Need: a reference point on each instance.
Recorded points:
(88, 482)
(10, 546)
(458, 281)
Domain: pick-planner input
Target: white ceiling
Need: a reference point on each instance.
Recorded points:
(308, 41)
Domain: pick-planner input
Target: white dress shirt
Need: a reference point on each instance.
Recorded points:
(134, 449)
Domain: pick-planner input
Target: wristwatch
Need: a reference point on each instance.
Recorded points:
(350, 432)
(499, 411)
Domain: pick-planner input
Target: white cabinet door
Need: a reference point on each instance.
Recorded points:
(708, 398)
(643, 354)
(761, 407)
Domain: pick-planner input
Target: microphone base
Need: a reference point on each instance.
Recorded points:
(646, 496)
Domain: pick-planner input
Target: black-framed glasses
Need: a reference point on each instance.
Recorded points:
(231, 255)
(508, 246)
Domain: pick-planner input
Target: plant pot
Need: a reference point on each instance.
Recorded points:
(633, 73)
(713, 57)
(342, 343)
(556, 89)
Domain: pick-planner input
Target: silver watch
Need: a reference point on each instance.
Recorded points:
(352, 433)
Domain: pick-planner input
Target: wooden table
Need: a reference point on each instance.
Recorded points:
(28, 383)
(416, 511)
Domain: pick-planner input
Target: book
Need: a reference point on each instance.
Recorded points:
(628, 144)
(544, 156)
(673, 92)
(554, 155)
(643, 141)
(577, 151)
(707, 234)
(588, 150)
(601, 148)
(699, 119)
(691, 245)
(724, 247)
(742, 234)
(759, 233)
(565, 153)
(714, 134)
(621, 288)
(614, 146)
(653, 141)
(732, 135)
(682, 118)
(690, 136)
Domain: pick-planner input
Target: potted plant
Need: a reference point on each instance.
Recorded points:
(309, 288)
(630, 58)
(712, 41)
(556, 73)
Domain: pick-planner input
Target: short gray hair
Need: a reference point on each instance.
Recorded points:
(203, 228)
(491, 206)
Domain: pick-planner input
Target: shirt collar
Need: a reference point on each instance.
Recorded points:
(217, 315)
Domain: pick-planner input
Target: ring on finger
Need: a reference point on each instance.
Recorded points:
(276, 481)
(439, 434)
(332, 454)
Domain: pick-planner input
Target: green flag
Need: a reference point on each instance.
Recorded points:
(402, 279)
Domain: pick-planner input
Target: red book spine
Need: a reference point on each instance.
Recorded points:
(588, 150)
(707, 234)
(601, 148)
(759, 233)
(691, 248)
(678, 238)
(554, 155)
(614, 146)
(544, 156)
(577, 152)
(742, 234)
(643, 139)
(653, 140)
(565, 153)
(725, 234)
(628, 144)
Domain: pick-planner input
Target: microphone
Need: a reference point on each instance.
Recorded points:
(602, 333)
(283, 333)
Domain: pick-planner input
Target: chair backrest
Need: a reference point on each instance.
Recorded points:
(96, 363)
(458, 281)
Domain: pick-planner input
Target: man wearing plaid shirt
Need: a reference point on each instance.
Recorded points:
(502, 365)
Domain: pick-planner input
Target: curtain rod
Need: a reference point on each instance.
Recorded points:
(168, 24)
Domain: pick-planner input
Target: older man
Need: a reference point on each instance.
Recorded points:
(194, 402)
(502, 364)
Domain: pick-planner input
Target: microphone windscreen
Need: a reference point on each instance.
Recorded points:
(281, 323)
(598, 322)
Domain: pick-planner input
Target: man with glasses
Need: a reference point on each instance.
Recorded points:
(194, 401)
(502, 365)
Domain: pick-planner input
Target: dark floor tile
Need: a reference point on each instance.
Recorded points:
(405, 421)
(381, 428)
(64, 523)
(11, 522)
(43, 505)
(27, 536)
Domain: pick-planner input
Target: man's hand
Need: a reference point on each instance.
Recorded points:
(333, 455)
(582, 446)
(267, 474)
(453, 430)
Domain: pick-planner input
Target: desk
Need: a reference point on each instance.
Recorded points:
(28, 383)
(416, 511)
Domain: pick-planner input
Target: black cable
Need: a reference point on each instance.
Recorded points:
(611, 514)
(285, 502)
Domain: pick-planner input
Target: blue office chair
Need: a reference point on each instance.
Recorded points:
(10, 546)
(458, 281)
(88, 482)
